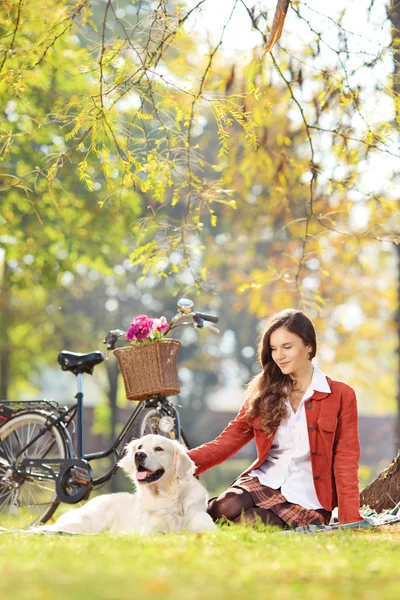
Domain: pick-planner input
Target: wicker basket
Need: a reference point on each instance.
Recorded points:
(150, 369)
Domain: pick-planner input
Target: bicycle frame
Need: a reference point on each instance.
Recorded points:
(66, 417)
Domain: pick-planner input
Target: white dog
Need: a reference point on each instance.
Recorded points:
(168, 498)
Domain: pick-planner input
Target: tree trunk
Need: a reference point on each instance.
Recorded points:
(4, 342)
(384, 492)
(397, 432)
(394, 16)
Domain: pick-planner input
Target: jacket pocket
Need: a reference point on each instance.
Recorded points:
(327, 424)
(327, 428)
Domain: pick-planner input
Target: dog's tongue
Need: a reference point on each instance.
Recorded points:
(143, 474)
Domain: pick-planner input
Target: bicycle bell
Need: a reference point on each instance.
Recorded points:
(185, 306)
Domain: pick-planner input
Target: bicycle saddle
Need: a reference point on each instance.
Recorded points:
(80, 363)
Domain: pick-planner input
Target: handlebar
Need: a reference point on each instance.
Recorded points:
(211, 318)
(112, 337)
(185, 316)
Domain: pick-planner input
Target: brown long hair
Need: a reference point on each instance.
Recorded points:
(267, 391)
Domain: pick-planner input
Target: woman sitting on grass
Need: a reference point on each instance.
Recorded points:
(306, 432)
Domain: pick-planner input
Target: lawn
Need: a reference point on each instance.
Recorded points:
(231, 563)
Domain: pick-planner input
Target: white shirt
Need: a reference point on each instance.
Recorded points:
(288, 464)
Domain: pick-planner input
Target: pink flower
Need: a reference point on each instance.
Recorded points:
(163, 326)
(143, 321)
(132, 332)
(140, 328)
(143, 327)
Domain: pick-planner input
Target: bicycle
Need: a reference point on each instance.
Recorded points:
(39, 467)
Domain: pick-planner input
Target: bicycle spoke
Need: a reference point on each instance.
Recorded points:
(37, 504)
(34, 446)
(48, 442)
(29, 492)
(24, 503)
(2, 505)
(4, 463)
(41, 486)
(28, 432)
(30, 435)
(12, 503)
(20, 444)
(6, 491)
(46, 449)
(7, 447)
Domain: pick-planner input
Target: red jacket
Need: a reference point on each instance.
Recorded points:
(334, 447)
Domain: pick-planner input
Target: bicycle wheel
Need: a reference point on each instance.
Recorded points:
(148, 421)
(28, 499)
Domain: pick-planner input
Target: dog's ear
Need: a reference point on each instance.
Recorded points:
(127, 462)
(183, 464)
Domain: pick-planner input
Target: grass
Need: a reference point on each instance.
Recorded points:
(229, 564)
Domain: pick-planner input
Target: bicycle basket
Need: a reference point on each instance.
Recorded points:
(149, 370)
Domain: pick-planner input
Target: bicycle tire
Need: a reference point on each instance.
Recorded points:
(32, 501)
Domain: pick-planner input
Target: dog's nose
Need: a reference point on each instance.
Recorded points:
(140, 455)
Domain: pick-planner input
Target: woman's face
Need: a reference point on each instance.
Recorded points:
(289, 351)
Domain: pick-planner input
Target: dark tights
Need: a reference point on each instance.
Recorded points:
(238, 506)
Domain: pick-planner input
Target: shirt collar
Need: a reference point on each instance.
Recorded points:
(319, 382)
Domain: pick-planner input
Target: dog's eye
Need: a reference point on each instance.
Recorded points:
(140, 447)
(158, 449)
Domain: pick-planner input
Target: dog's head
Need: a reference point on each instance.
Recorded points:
(155, 458)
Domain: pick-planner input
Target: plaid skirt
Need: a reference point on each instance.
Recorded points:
(293, 515)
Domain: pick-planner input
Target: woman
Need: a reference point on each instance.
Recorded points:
(306, 433)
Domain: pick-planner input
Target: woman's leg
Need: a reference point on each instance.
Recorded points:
(231, 504)
(254, 515)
